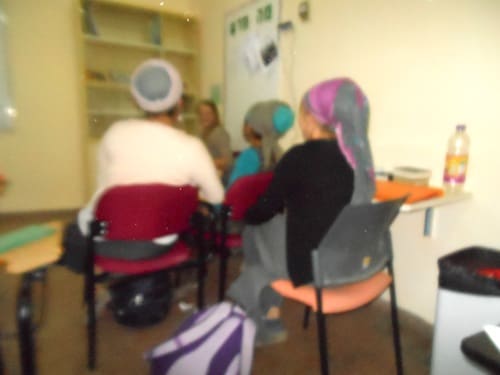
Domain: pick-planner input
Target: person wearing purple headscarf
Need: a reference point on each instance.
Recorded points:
(311, 185)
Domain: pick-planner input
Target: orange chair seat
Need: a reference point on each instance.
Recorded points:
(336, 300)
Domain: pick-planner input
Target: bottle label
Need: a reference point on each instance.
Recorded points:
(455, 169)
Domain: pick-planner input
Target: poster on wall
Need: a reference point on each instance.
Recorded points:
(251, 62)
(7, 111)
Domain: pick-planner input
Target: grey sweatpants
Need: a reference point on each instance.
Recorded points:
(264, 250)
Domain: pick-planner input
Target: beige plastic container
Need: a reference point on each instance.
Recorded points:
(412, 175)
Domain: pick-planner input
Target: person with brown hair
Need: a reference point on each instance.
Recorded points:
(215, 137)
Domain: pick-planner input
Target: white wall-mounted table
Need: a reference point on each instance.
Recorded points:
(429, 205)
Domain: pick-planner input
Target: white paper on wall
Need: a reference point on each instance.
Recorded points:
(251, 62)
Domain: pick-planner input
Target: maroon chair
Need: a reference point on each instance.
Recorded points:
(140, 213)
(240, 196)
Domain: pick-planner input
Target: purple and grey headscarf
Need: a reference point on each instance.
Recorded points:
(341, 106)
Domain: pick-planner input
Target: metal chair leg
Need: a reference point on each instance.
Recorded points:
(395, 331)
(395, 325)
(96, 228)
(223, 252)
(177, 279)
(91, 326)
(201, 287)
(25, 327)
(307, 313)
(1, 361)
(202, 261)
(322, 340)
(222, 274)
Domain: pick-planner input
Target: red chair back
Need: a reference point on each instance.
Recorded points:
(245, 191)
(144, 212)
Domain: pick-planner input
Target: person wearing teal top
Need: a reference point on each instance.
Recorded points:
(265, 123)
(247, 163)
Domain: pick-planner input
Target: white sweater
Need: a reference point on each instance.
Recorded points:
(141, 151)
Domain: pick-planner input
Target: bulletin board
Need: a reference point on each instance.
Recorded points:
(251, 62)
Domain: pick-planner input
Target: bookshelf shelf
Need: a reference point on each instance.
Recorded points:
(116, 38)
(107, 85)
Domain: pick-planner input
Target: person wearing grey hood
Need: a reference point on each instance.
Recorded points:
(265, 123)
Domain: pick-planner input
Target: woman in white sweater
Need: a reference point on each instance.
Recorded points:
(149, 150)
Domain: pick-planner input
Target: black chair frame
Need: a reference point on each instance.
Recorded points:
(98, 228)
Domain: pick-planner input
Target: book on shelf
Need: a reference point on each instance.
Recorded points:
(156, 30)
(89, 20)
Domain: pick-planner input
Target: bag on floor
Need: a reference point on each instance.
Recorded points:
(143, 300)
(215, 341)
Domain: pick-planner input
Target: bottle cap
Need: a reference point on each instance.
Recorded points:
(461, 127)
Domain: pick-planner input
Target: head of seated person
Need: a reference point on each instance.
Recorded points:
(208, 116)
(338, 108)
(215, 137)
(271, 120)
(157, 89)
(264, 125)
(253, 138)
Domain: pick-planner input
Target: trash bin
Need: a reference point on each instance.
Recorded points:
(468, 298)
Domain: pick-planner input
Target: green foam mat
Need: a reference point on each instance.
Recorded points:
(20, 237)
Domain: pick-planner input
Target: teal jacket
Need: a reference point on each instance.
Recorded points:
(248, 162)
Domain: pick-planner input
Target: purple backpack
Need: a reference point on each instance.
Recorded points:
(215, 341)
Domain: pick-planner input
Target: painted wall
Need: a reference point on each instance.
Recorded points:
(212, 50)
(425, 66)
(187, 6)
(42, 154)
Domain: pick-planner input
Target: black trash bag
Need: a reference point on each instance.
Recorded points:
(458, 271)
(141, 301)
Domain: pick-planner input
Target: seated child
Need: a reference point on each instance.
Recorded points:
(265, 123)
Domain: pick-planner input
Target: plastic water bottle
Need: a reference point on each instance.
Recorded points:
(457, 157)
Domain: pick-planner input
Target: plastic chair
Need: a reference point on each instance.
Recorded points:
(349, 270)
(239, 198)
(140, 213)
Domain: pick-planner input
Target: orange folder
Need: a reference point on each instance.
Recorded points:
(386, 190)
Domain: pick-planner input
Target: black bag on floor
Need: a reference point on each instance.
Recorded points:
(143, 300)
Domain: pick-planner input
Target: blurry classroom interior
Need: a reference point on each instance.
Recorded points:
(425, 65)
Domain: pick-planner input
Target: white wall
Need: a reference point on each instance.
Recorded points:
(425, 66)
(187, 6)
(42, 154)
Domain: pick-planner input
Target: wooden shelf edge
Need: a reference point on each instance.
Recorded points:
(93, 39)
(113, 113)
(107, 85)
(150, 9)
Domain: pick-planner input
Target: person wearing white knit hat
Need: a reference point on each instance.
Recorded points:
(157, 87)
(149, 150)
